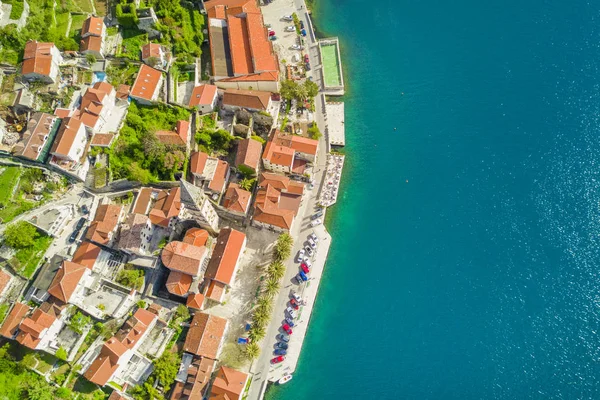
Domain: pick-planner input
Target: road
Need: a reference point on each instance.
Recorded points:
(261, 368)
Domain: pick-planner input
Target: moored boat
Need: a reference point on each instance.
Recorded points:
(285, 379)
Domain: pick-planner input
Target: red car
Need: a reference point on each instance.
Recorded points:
(306, 59)
(271, 33)
(287, 329)
(304, 268)
(294, 304)
(277, 359)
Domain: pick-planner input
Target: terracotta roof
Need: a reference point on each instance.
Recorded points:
(248, 153)
(228, 382)
(66, 136)
(269, 76)
(196, 237)
(34, 139)
(279, 155)
(205, 335)
(203, 95)
(183, 257)
(91, 43)
(195, 301)
(66, 280)
(4, 280)
(215, 291)
(13, 319)
(146, 83)
(116, 396)
(104, 223)
(135, 327)
(102, 139)
(34, 48)
(217, 183)
(62, 112)
(178, 283)
(253, 99)
(277, 200)
(151, 50)
(236, 199)
(31, 328)
(167, 206)
(198, 162)
(142, 201)
(123, 92)
(298, 143)
(226, 254)
(169, 138)
(86, 254)
(198, 379)
(92, 26)
(239, 45)
(261, 48)
(92, 103)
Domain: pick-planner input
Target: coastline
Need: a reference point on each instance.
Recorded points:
(264, 374)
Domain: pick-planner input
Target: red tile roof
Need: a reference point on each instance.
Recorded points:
(227, 252)
(86, 254)
(183, 257)
(92, 26)
(196, 237)
(104, 223)
(236, 199)
(198, 162)
(123, 92)
(4, 280)
(205, 335)
(13, 319)
(228, 384)
(252, 99)
(279, 155)
(195, 301)
(167, 206)
(102, 139)
(146, 83)
(178, 283)
(151, 50)
(142, 201)
(269, 76)
(34, 138)
(217, 184)
(277, 200)
(66, 280)
(179, 137)
(91, 43)
(203, 95)
(34, 48)
(31, 329)
(248, 153)
(66, 136)
(37, 58)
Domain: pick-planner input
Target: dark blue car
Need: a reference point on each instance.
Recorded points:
(280, 352)
(302, 277)
(289, 321)
(282, 345)
(303, 32)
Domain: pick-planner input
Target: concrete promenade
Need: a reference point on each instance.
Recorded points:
(262, 370)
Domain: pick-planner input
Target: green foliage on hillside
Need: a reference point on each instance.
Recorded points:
(137, 154)
(214, 140)
(126, 14)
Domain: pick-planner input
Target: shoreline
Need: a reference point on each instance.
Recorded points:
(265, 374)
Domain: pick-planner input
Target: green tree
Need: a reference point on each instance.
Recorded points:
(20, 235)
(312, 89)
(64, 393)
(78, 322)
(314, 131)
(39, 389)
(165, 369)
(276, 270)
(132, 278)
(61, 354)
(247, 171)
(285, 239)
(252, 351)
(271, 287)
(90, 58)
(289, 89)
(247, 184)
(182, 313)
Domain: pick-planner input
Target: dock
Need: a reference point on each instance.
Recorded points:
(334, 112)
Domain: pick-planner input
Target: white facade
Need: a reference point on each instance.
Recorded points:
(78, 146)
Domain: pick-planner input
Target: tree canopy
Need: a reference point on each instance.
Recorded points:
(20, 235)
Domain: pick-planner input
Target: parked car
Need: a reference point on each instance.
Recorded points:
(297, 297)
(303, 32)
(291, 312)
(301, 277)
(284, 337)
(307, 66)
(290, 321)
(314, 237)
(301, 255)
(290, 29)
(271, 32)
(287, 18)
(287, 329)
(312, 243)
(306, 58)
(73, 236)
(277, 359)
(307, 262)
(85, 209)
(272, 37)
(301, 24)
(316, 215)
(304, 268)
(309, 250)
(297, 47)
(294, 304)
(80, 224)
(282, 345)
(280, 352)
(316, 222)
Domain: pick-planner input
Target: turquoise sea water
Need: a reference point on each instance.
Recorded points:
(465, 262)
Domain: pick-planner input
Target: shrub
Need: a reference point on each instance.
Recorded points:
(61, 354)
(20, 235)
(132, 278)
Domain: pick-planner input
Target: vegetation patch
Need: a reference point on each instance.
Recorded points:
(18, 6)
(131, 277)
(133, 40)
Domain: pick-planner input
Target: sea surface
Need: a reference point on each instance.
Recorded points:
(465, 261)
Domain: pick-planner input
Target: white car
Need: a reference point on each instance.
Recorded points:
(291, 312)
(314, 237)
(312, 243)
(287, 18)
(297, 297)
(300, 255)
(297, 47)
(316, 222)
(307, 262)
(309, 250)
(290, 29)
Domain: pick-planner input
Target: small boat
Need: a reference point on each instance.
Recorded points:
(285, 379)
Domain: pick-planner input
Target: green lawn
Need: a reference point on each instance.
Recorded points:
(62, 21)
(12, 206)
(133, 40)
(84, 5)
(8, 179)
(26, 260)
(76, 24)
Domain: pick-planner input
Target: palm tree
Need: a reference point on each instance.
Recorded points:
(282, 251)
(257, 333)
(252, 351)
(276, 270)
(285, 238)
(246, 184)
(260, 318)
(264, 302)
(271, 287)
